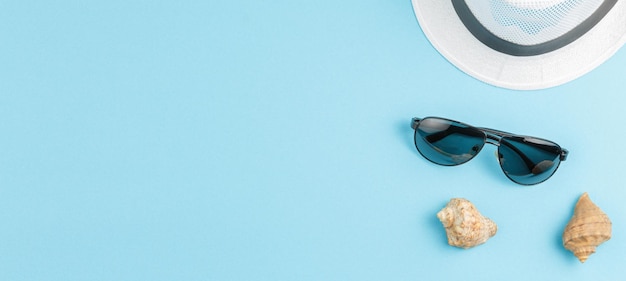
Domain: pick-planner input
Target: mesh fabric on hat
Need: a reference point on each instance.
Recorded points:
(531, 22)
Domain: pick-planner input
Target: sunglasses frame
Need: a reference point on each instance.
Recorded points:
(494, 137)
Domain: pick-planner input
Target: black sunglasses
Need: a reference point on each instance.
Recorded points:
(524, 160)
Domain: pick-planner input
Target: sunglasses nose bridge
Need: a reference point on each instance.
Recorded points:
(493, 139)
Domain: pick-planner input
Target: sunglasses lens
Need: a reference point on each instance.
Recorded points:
(527, 160)
(447, 142)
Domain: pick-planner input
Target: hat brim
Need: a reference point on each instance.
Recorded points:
(451, 38)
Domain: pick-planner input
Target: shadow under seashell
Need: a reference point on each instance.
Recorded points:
(588, 228)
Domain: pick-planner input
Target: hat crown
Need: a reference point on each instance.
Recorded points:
(532, 22)
(536, 4)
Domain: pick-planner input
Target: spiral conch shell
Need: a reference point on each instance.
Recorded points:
(465, 226)
(588, 228)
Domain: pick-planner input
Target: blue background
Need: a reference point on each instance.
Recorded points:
(270, 140)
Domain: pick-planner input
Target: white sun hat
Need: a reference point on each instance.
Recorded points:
(524, 44)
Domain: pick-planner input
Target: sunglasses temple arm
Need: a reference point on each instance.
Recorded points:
(496, 132)
(414, 122)
(564, 153)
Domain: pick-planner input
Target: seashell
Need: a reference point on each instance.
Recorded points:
(465, 226)
(588, 228)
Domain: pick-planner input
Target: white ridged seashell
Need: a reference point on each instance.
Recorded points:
(465, 226)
